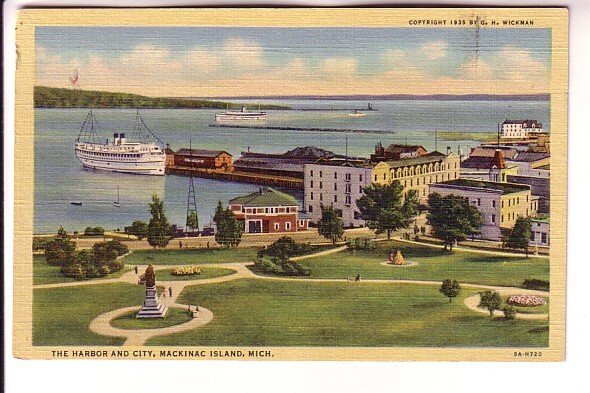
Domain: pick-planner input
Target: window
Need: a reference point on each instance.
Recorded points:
(347, 188)
(543, 237)
(494, 203)
(375, 177)
(532, 236)
(321, 173)
(335, 198)
(311, 184)
(502, 218)
(360, 189)
(301, 223)
(347, 200)
(321, 196)
(360, 177)
(321, 185)
(310, 208)
(335, 175)
(288, 225)
(311, 173)
(266, 210)
(384, 176)
(276, 226)
(502, 204)
(348, 177)
(478, 201)
(335, 186)
(494, 218)
(311, 196)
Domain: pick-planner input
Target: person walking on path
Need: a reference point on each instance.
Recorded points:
(180, 244)
(136, 270)
(170, 291)
(357, 278)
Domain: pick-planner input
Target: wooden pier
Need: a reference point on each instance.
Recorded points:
(259, 127)
(238, 176)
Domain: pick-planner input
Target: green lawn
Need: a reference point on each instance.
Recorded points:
(191, 256)
(433, 264)
(61, 315)
(47, 274)
(174, 316)
(253, 312)
(206, 272)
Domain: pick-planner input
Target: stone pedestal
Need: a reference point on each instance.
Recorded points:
(151, 307)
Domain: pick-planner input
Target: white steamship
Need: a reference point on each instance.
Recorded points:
(119, 155)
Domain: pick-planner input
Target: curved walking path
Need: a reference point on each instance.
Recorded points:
(102, 323)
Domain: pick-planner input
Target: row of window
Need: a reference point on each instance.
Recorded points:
(421, 170)
(347, 187)
(347, 198)
(112, 155)
(347, 176)
(269, 210)
(543, 237)
(277, 226)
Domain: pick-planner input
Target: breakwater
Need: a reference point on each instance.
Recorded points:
(238, 176)
(315, 129)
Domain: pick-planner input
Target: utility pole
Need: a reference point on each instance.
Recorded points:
(435, 140)
(346, 149)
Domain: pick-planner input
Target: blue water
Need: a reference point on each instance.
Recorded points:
(60, 178)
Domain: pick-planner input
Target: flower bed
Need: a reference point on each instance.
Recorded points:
(526, 300)
(186, 271)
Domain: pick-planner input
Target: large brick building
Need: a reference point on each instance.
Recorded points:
(199, 158)
(268, 211)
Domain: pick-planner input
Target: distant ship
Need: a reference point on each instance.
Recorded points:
(241, 115)
(143, 158)
(356, 113)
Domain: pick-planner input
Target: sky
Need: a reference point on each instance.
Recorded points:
(221, 61)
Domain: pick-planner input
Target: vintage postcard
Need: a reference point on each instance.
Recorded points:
(291, 184)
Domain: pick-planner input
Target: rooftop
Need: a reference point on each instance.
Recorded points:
(425, 159)
(343, 162)
(266, 196)
(200, 152)
(525, 123)
(485, 151)
(506, 188)
(530, 156)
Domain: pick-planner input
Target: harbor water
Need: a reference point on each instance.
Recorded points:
(60, 178)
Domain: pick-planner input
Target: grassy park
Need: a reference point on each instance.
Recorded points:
(61, 315)
(433, 264)
(191, 256)
(174, 316)
(206, 272)
(345, 314)
(47, 274)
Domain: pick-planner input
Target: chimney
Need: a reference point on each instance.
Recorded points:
(448, 150)
(260, 190)
(499, 159)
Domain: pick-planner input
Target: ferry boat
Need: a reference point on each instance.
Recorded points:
(241, 115)
(119, 155)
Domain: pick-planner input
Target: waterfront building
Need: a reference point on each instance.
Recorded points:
(200, 158)
(418, 173)
(169, 156)
(486, 167)
(289, 164)
(268, 211)
(526, 160)
(520, 128)
(540, 232)
(338, 183)
(396, 152)
(500, 204)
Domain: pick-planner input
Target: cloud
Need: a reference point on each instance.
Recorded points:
(395, 57)
(520, 65)
(243, 53)
(434, 50)
(339, 66)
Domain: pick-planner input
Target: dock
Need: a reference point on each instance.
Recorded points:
(238, 176)
(314, 129)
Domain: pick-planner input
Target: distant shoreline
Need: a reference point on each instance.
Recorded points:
(392, 97)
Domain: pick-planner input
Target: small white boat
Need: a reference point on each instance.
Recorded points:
(356, 113)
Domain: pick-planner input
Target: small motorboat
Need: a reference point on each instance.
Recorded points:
(76, 203)
(117, 203)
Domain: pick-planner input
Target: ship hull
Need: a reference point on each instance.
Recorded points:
(153, 168)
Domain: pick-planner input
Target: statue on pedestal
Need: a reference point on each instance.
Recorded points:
(398, 259)
(151, 307)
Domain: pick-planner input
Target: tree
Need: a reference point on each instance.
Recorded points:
(490, 300)
(192, 221)
(159, 230)
(450, 288)
(509, 313)
(452, 218)
(61, 250)
(385, 208)
(520, 236)
(229, 230)
(330, 225)
(139, 229)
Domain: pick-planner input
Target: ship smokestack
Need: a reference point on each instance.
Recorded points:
(122, 139)
(115, 138)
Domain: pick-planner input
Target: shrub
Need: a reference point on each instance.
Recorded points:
(360, 244)
(40, 243)
(285, 248)
(509, 312)
(533, 283)
(186, 271)
(282, 268)
(526, 300)
(96, 231)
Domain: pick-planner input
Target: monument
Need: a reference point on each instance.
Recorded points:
(398, 259)
(151, 307)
